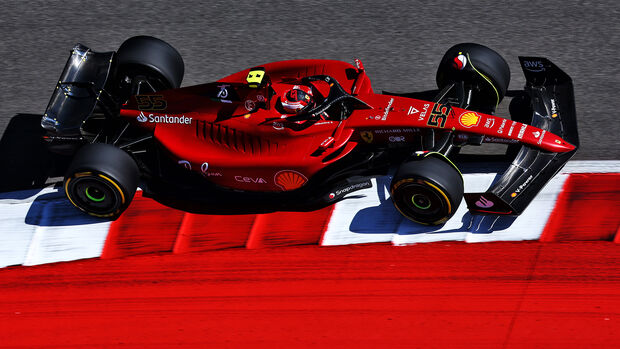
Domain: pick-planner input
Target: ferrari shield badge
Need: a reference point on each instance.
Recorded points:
(367, 136)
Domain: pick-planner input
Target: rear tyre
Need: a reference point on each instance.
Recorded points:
(480, 68)
(427, 191)
(101, 180)
(146, 64)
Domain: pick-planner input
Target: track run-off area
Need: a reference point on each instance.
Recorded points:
(159, 277)
(41, 226)
(491, 295)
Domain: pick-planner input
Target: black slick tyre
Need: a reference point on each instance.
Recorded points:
(151, 62)
(479, 67)
(101, 180)
(427, 191)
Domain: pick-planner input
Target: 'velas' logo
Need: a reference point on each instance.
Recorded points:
(142, 117)
(469, 119)
(289, 179)
(484, 202)
(412, 110)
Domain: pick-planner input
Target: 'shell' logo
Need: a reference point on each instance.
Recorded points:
(469, 119)
(289, 179)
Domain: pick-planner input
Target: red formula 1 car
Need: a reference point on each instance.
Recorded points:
(300, 134)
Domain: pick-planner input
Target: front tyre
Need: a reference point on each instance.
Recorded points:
(481, 69)
(101, 180)
(427, 191)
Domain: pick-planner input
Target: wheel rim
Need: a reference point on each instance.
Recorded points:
(94, 194)
(421, 201)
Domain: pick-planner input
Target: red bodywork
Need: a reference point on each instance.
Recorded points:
(237, 145)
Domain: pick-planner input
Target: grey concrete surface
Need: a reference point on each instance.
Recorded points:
(400, 43)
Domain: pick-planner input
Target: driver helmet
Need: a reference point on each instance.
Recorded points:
(298, 99)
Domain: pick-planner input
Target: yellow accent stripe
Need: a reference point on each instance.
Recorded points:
(398, 208)
(101, 215)
(69, 196)
(445, 158)
(485, 78)
(442, 194)
(399, 183)
(116, 186)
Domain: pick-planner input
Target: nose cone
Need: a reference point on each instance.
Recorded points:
(556, 144)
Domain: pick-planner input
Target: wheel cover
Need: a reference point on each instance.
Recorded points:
(421, 201)
(95, 194)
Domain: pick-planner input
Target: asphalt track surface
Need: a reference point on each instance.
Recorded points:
(400, 43)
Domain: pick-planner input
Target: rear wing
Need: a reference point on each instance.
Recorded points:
(77, 91)
(553, 105)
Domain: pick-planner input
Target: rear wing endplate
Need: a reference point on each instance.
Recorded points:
(77, 91)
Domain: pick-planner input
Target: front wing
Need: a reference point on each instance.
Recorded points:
(552, 101)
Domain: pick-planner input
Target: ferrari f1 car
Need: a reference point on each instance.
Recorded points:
(229, 145)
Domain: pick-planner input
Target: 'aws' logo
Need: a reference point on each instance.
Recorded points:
(534, 66)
